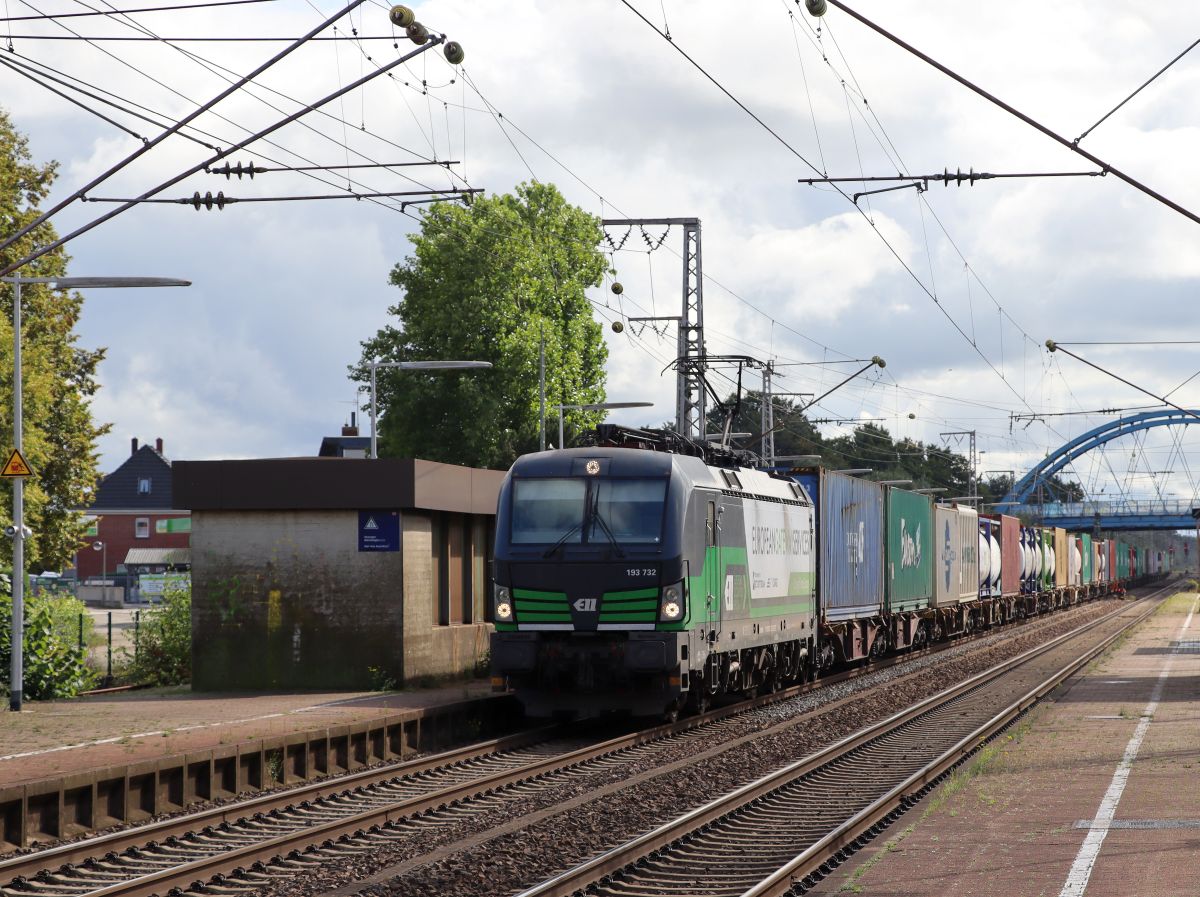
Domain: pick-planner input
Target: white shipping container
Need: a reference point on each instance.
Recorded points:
(956, 542)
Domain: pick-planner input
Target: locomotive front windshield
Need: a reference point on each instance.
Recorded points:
(573, 511)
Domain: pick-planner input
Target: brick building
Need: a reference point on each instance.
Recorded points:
(134, 509)
(336, 572)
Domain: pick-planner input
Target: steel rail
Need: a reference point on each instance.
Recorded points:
(601, 867)
(147, 837)
(27, 864)
(137, 835)
(909, 791)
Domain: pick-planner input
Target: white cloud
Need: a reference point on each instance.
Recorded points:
(253, 360)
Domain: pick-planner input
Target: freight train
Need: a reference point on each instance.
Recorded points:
(646, 573)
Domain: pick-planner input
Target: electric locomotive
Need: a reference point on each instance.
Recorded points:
(646, 581)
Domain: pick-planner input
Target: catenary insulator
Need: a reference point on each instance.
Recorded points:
(617, 288)
(617, 326)
(454, 53)
(816, 7)
(417, 33)
(401, 16)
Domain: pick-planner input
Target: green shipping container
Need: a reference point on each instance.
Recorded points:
(1085, 571)
(909, 550)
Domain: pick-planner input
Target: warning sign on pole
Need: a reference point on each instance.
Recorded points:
(16, 466)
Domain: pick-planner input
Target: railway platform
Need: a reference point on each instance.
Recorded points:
(1095, 792)
(67, 738)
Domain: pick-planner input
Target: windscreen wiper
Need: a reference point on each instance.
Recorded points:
(604, 527)
(562, 539)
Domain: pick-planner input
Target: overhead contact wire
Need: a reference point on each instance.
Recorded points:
(142, 150)
(1073, 147)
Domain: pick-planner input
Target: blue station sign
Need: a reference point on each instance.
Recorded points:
(378, 530)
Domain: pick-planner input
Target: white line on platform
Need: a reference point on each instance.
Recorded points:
(231, 722)
(1085, 860)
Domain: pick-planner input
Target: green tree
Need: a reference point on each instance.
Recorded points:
(59, 437)
(487, 282)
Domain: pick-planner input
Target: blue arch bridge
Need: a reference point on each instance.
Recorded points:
(1027, 497)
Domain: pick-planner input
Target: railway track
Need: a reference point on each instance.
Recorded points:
(237, 840)
(240, 847)
(783, 832)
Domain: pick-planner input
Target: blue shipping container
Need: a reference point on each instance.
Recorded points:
(850, 563)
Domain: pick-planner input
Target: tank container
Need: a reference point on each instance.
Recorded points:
(849, 517)
(910, 556)
(989, 557)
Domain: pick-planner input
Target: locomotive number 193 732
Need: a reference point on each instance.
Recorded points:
(641, 571)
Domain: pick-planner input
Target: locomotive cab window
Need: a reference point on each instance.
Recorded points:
(546, 510)
(574, 511)
(632, 509)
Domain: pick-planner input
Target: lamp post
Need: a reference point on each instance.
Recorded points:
(102, 547)
(413, 366)
(594, 406)
(19, 531)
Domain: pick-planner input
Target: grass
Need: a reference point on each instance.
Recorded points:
(852, 884)
(986, 761)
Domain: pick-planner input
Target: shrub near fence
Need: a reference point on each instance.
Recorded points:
(164, 643)
(54, 661)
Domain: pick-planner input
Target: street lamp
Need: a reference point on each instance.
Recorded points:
(19, 531)
(594, 406)
(102, 547)
(414, 366)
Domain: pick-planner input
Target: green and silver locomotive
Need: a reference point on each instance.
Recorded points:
(641, 580)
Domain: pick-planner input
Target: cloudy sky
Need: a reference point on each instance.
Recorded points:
(957, 288)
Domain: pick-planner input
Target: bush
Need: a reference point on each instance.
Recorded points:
(54, 664)
(164, 648)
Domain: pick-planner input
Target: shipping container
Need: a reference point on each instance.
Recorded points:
(909, 550)
(1113, 573)
(956, 578)
(1062, 557)
(1087, 557)
(1010, 555)
(849, 519)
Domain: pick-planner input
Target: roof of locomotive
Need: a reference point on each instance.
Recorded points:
(632, 462)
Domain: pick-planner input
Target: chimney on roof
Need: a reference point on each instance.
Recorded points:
(133, 444)
(158, 445)
(352, 428)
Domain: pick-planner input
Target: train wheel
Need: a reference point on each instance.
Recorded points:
(698, 700)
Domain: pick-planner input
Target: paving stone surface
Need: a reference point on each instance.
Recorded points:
(1016, 822)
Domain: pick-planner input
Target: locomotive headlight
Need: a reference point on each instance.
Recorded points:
(503, 603)
(670, 610)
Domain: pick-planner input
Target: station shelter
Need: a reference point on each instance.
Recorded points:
(337, 573)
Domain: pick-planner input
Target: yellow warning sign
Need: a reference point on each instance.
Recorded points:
(16, 466)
